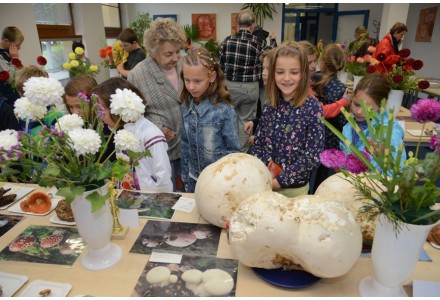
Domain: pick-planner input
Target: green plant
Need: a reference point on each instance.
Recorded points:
(192, 31)
(141, 23)
(213, 46)
(403, 194)
(261, 11)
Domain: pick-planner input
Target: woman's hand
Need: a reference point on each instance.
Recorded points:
(248, 127)
(169, 134)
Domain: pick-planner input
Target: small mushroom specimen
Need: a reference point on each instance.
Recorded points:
(3, 191)
(7, 199)
(180, 239)
(21, 243)
(160, 276)
(212, 282)
(45, 293)
(51, 240)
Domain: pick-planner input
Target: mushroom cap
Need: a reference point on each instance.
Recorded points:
(51, 240)
(225, 183)
(21, 243)
(192, 276)
(179, 239)
(157, 275)
(269, 230)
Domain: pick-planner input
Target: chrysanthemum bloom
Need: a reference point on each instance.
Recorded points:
(41, 60)
(24, 109)
(332, 158)
(125, 140)
(79, 50)
(371, 69)
(127, 104)
(93, 68)
(426, 110)
(85, 141)
(404, 53)
(381, 57)
(72, 55)
(434, 143)
(69, 122)
(8, 140)
(16, 62)
(398, 78)
(4, 75)
(423, 84)
(74, 63)
(67, 66)
(354, 164)
(43, 91)
(371, 49)
(417, 65)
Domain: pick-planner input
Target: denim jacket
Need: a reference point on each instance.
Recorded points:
(209, 132)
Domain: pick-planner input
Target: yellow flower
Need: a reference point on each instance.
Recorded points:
(72, 55)
(74, 63)
(79, 50)
(119, 54)
(67, 66)
(93, 68)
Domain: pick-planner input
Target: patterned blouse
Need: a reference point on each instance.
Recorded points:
(293, 137)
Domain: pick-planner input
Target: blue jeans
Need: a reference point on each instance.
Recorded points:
(191, 185)
(176, 171)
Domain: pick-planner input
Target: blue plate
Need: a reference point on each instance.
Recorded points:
(293, 279)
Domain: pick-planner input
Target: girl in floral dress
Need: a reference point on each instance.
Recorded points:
(209, 129)
(329, 89)
(153, 173)
(290, 132)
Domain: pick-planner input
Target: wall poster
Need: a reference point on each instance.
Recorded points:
(426, 24)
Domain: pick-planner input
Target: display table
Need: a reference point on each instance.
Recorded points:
(120, 280)
(410, 124)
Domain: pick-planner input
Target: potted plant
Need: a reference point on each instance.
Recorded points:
(141, 23)
(261, 11)
(192, 32)
(401, 198)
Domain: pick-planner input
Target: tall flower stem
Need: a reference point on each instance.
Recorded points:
(420, 140)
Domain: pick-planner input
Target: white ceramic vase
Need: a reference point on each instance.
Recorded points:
(394, 101)
(356, 80)
(394, 257)
(96, 230)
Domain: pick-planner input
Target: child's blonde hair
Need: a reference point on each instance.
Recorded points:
(26, 72)
(289, 49)
(203, 57)
(332, 61)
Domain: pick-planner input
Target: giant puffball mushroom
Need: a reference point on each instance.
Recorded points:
(192, 279)
(224, 184)
(339, 189)
(216, 282)
(159, 276)
(269, 230)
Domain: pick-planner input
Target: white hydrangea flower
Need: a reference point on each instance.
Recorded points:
(25, 109)
(43, 91)
(125, 140)
(127, 104)
(85, 141)
(8, 139)
(69, 122)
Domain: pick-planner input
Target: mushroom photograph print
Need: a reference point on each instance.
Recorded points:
(180, 238)
(200, 276)
(45, 244)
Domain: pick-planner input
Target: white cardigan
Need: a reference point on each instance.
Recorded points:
(154, 172)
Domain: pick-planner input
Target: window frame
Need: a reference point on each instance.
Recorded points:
(51, 32)
(113, 32)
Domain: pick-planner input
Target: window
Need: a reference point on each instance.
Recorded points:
(112, 19)
(56, 52)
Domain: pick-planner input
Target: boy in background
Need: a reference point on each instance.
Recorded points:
(136, 54)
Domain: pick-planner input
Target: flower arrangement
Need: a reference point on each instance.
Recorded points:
(106, 54)
(402, 194)
(77, 66)
(319, 48)
(362, 65)
(402, 76)
(16, 63)
(70, 154)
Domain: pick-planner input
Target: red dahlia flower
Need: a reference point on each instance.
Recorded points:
(404, 53)
(418, 64)
(371, 69)
(4, 75)
(423, 84)
(381, 57)
(409, 62)
(16, 62)
(41, 60)
(398, 78)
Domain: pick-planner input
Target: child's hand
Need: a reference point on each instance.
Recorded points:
(169, 134)
(248, 127)
(251, 139)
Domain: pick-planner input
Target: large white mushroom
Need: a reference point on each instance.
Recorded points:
(160, 276)
(224, 184)
(339, 189)
(269, 230)
(212, 282)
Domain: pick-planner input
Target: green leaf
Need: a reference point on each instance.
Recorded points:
(71, 192)
(51, 170)
(97, 200)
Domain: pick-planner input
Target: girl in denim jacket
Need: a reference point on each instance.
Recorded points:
(209, 129)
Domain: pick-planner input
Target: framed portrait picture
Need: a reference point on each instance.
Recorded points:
(174, 17)
(426, 24)
(207, 25)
